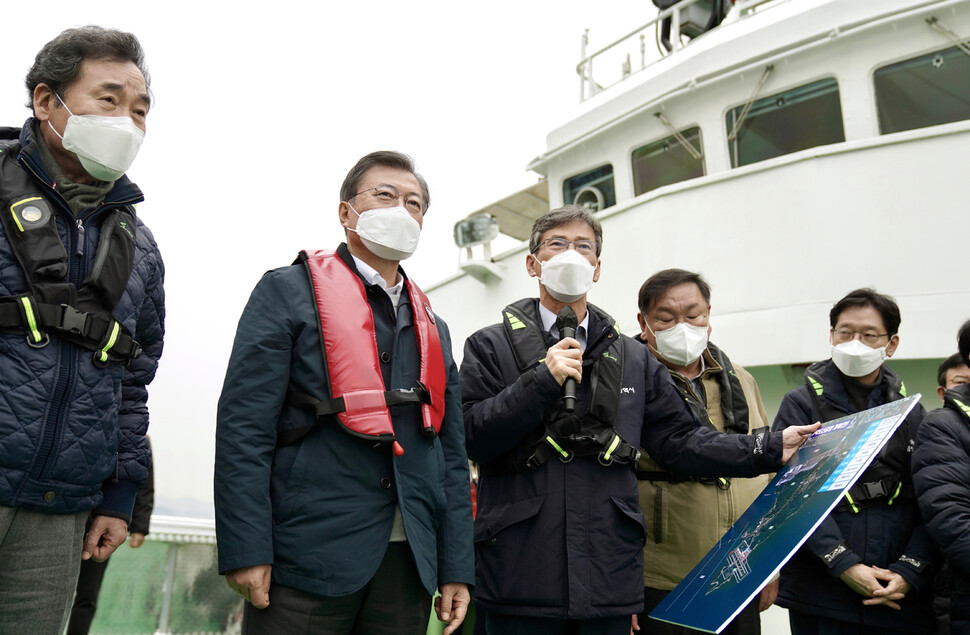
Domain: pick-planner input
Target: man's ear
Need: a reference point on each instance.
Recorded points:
(44, 102)
(891, 346)
(532, 266)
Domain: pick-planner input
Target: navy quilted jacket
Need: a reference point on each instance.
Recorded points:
(72, 436)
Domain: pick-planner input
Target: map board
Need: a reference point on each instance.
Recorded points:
(784, 515)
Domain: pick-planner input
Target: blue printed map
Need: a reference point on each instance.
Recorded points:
(783, 516)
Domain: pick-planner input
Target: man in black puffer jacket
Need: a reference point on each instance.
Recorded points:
(866, 568)
(941, 475)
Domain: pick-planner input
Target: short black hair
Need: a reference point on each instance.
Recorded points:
(868, 297)
(59, 62)
(561, 216)
(953, 361)
(657, 284)
(963, 342)
(385, 158)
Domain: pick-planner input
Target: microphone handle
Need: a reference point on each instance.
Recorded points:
(568, 386)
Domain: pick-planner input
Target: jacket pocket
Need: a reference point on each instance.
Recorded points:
(519, 559)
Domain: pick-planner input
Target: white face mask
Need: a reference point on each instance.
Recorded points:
(567, 276)
(390, 233)
(855, 359)
(681, 345)
(105, 146)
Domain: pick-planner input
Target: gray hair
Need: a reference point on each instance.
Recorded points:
(388, 159)
(561, 216)
(59, 62)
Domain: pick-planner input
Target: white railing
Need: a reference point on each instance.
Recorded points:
(588, 86)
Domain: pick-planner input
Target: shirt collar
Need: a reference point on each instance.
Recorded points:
(370, 276)
(549, 324)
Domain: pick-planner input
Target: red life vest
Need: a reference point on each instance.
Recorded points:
(349, 343)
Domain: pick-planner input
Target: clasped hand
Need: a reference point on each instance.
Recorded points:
(868, 581)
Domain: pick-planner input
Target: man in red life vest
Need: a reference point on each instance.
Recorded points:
(341, 480)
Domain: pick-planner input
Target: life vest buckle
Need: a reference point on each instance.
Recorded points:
(73, 320)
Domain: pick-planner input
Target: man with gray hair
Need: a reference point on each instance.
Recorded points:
(81, 322)
(557, 402)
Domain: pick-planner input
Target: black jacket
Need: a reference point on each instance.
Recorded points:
(566, 539)
(889, 536)
(941, 474)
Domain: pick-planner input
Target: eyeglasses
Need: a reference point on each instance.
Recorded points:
(387, 195)
(869, 337)
(556, 245)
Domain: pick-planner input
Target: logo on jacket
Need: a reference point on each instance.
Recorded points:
(628, 390)
(428, 311)
(835, 553)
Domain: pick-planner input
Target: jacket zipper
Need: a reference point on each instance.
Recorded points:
(64, 379)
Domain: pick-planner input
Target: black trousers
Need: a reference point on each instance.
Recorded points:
(393, 603)
(747, 622)
(805, 624)
(519, 625)
(86, 596)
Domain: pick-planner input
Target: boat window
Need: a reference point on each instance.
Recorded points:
(667, 161)
(928, 90)
(800, 118)
(593, 188)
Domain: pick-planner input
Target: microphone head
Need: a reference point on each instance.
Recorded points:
(566, 319)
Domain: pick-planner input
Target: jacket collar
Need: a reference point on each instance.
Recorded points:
(834, 386)
(123, 192)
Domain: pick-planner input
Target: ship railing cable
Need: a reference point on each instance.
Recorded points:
(751, 100)
(939, 27)
(684, 141)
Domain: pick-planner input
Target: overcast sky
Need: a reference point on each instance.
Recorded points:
(262, 108)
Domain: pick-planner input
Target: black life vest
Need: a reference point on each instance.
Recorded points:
(53, 305)
(734, 409)
(883, 479)
(566, 436)
(353, 369)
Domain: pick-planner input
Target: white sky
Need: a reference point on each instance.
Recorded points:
(260, 111)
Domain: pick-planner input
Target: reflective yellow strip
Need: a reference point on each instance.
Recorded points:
(963, 406)
(896, 493)
(902, 389)
(553, 443)
(855, 508)
(31, 321)
(616, 326)
(111, 340)
(612, 448)
(514, 322)
(817, 386)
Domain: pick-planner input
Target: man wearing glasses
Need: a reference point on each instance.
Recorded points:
(559, 533)
(688, 515)
(867, 567)
(341, 480)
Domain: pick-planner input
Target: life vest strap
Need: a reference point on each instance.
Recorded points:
(106, 337)
(608, 448)
(891, 489)
(658, 476)
(358, 400)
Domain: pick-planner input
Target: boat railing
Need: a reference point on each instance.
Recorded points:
(589, 86)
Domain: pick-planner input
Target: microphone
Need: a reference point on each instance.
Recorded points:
(566, 322)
